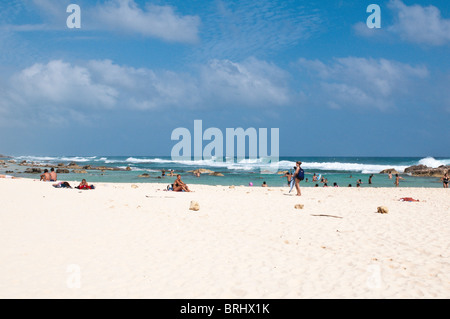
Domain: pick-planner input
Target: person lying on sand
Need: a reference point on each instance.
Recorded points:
(85, 185)
(62, 185)
(8, 176)
(179, 186)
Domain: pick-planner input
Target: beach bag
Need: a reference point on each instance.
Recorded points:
(301, 174)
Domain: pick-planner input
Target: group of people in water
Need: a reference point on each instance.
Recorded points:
(299, 176)
(179, 186)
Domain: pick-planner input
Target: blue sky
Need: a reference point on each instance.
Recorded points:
(137, 70)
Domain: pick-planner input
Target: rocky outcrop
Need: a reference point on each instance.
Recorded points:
(79, 171)
(389, 171)
(202, 171)
(423, 170)
(33, 170)
(145, 175)
(62, 171)
(215, 174)
(72, 166)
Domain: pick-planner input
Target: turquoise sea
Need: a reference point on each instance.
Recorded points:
(340, 170)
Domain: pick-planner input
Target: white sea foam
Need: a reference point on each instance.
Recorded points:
(56, 159)
(245, 164)
(432, 162)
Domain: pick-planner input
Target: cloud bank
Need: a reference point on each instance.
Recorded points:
(96, 86)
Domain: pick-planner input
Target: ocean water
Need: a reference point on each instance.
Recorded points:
(340, 170)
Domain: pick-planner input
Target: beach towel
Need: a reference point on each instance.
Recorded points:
(408, 199)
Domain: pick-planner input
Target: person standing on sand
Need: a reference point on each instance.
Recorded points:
(397, 180)
(445, 180)
(298, 175)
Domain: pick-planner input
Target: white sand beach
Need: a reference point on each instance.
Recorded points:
(248, 242)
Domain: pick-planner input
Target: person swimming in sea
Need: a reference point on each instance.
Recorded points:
(397, 180)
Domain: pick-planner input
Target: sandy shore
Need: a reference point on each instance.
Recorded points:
(123, 242)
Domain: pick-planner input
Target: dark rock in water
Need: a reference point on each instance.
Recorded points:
(423, 170)
(62, 171)
(78, 171)
(128, 168)
(9, 172)
(87, 167)
(107, 168)
(215, 174)
(415, 168)
(61, 165)
(145, 175)
(389, 171)
(33, 170)
(73, 165)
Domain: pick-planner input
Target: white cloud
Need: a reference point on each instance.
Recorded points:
(359, 82)
(152, 21)
(60, 90)
(415, 24)
(253, 83)
(122, 16)
(419, 24)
